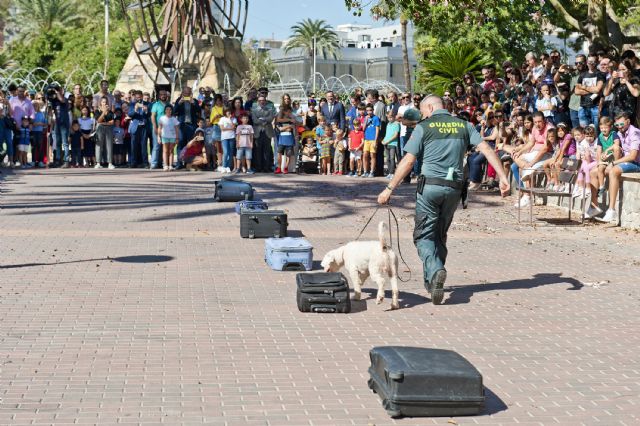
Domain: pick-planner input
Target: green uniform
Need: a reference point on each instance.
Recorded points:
(441, 142)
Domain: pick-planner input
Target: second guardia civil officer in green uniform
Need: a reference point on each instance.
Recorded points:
(441, 141)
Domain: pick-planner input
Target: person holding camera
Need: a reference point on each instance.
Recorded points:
(140, 113)
(187, 111)
(567, 77)
(60, 106)
(625, 88)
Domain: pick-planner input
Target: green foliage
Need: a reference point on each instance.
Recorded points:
(32, 17)
(327, 42)
(448, 63)
(261, 69)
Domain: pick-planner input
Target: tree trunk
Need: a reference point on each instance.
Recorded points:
(1, 33)
(405, 53)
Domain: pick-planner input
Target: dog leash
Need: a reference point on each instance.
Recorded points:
(390, 214)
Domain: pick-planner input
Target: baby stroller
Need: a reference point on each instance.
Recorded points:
(308, 160)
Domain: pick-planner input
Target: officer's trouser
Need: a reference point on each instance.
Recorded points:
(434, 212)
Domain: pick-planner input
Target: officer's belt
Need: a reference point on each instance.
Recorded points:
(443, 182)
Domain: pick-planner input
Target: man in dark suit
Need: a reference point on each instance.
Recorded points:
(333, 111)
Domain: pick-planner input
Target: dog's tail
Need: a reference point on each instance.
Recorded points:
(383, 230)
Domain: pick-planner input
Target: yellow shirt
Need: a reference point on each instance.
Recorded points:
(217, 112)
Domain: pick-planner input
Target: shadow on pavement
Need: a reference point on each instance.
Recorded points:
(492, 403)
(144, 258)
(407, 300)
(463, 294)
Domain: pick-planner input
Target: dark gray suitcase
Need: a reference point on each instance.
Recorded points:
(422, 382)
(263, 224)
(323, 292)
(227, 189)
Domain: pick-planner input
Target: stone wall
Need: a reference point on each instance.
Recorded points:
(630, 209)
(208, 57)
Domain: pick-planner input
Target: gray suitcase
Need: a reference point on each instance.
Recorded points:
(421, 382)
(227, 189)
(263, 224)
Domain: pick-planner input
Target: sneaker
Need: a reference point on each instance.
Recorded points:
(285, 171)
(227, 169)
(436, 286)
(611, 216)
(66, 166)
(250, 172)
(97, 166)
(41, 164)
(601, 191)
(473, 186)
(278, 171)
(111, 167)
(24, 166)
(523, 202)
(592, 212)
(165, 168)
(17, 164)
(390, 177)
(235, 171)
(171, 168)
(220, 169)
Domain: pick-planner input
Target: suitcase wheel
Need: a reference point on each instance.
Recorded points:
(295, 266)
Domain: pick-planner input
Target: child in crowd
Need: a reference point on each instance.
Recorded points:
(325, 150)
(339, 148)
(24, 142)
(390, 142)
(587, 152)
(371, 130)
(217, 112)
(356, 142)
(168, 136)
(309, 150)
(227, 125)
(75, 140)
(118, 139)
(208, 139)
(38, 150)
(87, 127)
(244, 145)
(551, 166)
(609, 150)
(547, 104)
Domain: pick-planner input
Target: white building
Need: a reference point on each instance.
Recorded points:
(366, 36)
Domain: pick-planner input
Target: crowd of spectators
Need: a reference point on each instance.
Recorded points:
(534, 115)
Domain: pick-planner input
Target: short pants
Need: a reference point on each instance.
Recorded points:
(24, 148)
(356, 155)
(286, 150)
(629, 167)
(168, 140)
(370, 146)
(244, 152)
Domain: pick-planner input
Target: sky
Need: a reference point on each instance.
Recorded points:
(274, 18)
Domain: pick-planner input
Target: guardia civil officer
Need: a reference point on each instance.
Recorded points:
(441, 141)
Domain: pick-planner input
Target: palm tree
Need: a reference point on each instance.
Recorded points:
(32, 17)
(448, 63)
(303, 33)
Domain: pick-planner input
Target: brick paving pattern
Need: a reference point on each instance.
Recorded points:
(129, 297)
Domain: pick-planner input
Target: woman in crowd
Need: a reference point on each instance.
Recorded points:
(625, 88)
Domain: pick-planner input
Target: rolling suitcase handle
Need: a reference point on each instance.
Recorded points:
(293, 266)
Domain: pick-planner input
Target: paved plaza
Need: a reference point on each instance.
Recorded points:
(127, 296)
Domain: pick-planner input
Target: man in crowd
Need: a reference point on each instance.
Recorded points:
(589, 88)
(569, 78)
(104, 92)
(333, 111)
(262, 115)
(139, 112)
(157, 112)
(187, 111)
(20, 106)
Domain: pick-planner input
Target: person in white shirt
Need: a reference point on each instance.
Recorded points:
(168, 136)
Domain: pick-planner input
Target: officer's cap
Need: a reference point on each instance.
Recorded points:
(412, 114)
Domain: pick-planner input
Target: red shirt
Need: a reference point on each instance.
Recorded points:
(194, 150)
(355, 139)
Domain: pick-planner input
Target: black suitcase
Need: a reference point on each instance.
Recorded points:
(233, 190)
(421, 382)
(323, 292)
(263, 224)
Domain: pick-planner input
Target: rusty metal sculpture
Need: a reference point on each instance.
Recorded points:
(167, 30)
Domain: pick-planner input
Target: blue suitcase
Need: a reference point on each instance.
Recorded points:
(288, 254)
(256, 204)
